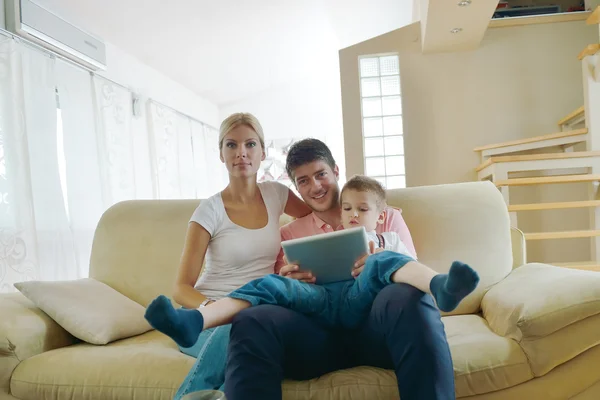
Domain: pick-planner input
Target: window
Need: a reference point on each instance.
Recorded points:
(383, 139)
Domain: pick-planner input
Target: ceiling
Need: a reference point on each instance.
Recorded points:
(238, 48)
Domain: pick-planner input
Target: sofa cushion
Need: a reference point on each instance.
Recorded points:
(483, 361)
(536, 300)
(88, 309)
(547, 352)
(149, 366)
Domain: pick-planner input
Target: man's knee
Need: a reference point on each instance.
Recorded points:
(255, 316)
(402, 298)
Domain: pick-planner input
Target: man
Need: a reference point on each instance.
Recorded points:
(403, 332)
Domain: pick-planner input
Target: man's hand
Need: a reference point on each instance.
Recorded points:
(293, 271)
(359, 265)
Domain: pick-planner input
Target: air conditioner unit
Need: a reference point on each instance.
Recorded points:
(31, 21)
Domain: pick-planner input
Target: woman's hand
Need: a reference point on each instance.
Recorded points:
(359, 265)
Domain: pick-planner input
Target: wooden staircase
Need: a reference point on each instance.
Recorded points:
(500, 163)
(569, 156)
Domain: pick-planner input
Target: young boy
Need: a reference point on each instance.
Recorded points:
(343, 303)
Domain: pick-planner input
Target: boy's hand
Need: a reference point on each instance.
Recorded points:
(293, 271)
(359, 265)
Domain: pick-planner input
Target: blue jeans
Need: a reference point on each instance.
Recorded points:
(210, 351)
(344, 304)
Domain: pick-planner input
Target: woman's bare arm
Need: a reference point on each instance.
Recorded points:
(295, 207)
(194, 251)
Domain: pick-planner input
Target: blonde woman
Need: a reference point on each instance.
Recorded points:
(236, 232)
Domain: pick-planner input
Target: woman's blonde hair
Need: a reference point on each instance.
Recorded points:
(237, 119)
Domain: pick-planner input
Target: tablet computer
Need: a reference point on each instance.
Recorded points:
(329, 256)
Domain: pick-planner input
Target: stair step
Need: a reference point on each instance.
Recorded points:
(562, 235)
(557, 135)
(536, 157)
(572, 115)
(594, 18)
(590, 50)
(585, 265)
(554, 206)
(540, 180)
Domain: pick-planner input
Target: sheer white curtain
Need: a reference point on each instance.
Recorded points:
(70, 148)
(80, 175)
(113, 106)
(185, 155)
(36, 240)
(171, 153)
(210, 173)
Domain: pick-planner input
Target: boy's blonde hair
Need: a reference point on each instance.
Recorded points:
(362, 183)
(237, 119)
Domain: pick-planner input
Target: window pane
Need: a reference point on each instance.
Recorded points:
(392, 126)
(391, 105)
(394, 145)
(390, 85)
(375, 166)
(371, 107)
(372, 127)
(396, 182)
(374, 147)
(389, 65)
(381, 179)
(394, 165)
(370, 87)
(369, 67)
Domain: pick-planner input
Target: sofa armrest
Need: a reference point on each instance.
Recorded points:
(536, 300)
(25, 331)
(519, 247)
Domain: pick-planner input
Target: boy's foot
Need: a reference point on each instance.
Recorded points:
(449, 289)
(183, 326)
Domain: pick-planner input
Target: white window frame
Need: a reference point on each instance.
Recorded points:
(394, 154)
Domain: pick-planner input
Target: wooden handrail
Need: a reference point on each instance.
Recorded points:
(553, 206)
(571, 115)
(562, 235)
(550, 136)
(540, 180)
(536, 157)
(590, 50)
(594, 18)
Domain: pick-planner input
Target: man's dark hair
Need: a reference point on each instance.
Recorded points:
(306, 151)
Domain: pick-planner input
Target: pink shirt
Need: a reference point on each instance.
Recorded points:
(313, 225)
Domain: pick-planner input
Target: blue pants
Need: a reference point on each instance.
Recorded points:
(344, 304)
(210, 352)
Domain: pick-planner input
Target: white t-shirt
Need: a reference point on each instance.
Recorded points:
(237, 255)
(391, 241)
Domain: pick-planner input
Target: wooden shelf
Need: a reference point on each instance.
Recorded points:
(562, 235)
(572, 115)
(536, 157)
(554, 206)
(594, 18)
(548, 180)
(590, 50)
(557, 135)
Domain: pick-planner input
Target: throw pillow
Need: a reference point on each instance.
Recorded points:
(88, 309)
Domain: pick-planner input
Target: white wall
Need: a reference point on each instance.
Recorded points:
(146, 81)
(306, 107)
(2, 17)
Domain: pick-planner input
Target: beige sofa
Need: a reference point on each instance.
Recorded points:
(531, 332)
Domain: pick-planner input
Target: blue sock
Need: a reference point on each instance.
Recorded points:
(183, 326)
(449, 289)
